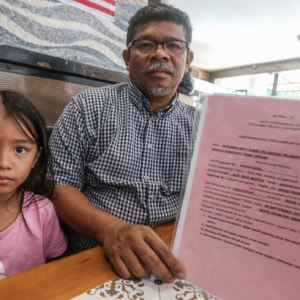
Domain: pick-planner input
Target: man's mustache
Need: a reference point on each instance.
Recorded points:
(159, 66)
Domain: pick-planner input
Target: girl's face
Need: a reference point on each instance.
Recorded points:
(18, 155)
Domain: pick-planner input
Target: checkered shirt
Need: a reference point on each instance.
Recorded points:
(126, 161)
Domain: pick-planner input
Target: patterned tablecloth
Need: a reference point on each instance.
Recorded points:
(146, 289)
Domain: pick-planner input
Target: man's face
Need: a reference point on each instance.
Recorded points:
(139, 65)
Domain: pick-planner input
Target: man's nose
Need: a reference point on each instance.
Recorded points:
(160, 54)
(5, 161)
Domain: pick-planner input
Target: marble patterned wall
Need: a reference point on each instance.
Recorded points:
(53, 28)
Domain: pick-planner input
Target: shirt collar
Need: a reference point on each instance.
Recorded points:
(139, 100)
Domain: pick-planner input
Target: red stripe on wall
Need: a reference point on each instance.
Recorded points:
(113, 2)
(96, 6)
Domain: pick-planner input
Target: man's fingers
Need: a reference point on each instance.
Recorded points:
(166, 256)
(134, 264)
(120, 267)
(151, 259)
(137, 250)
(128, 264)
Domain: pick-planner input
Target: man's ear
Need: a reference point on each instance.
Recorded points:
(189, 59)
(126, 57)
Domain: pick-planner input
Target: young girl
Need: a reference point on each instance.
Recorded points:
(29, 227)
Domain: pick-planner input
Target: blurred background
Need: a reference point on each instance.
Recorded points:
(245, 47)
(51, 50)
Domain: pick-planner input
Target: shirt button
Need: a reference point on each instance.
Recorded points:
(146, 177)
(149, 146)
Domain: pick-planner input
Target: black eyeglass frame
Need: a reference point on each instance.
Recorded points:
(187, 44)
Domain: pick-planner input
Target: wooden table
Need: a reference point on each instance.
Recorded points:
(67, 277)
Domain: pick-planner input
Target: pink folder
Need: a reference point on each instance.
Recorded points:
(238, 233)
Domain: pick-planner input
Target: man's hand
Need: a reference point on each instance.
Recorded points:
(131, 249)
(136, 250)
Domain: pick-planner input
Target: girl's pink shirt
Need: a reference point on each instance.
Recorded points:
(22, 249)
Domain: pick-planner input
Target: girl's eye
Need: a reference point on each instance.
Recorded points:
(20, 150)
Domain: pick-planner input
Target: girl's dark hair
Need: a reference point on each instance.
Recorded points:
(159, 12)
(40, 179)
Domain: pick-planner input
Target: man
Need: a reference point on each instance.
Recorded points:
(119, 151)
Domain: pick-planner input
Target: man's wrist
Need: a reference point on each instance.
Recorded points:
(106, 226)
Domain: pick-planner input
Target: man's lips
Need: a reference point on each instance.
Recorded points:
(160, 73)
(160, 70)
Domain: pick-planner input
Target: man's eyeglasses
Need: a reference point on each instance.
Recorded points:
(146, 46)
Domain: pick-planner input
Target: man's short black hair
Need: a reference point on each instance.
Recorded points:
(159, 12)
